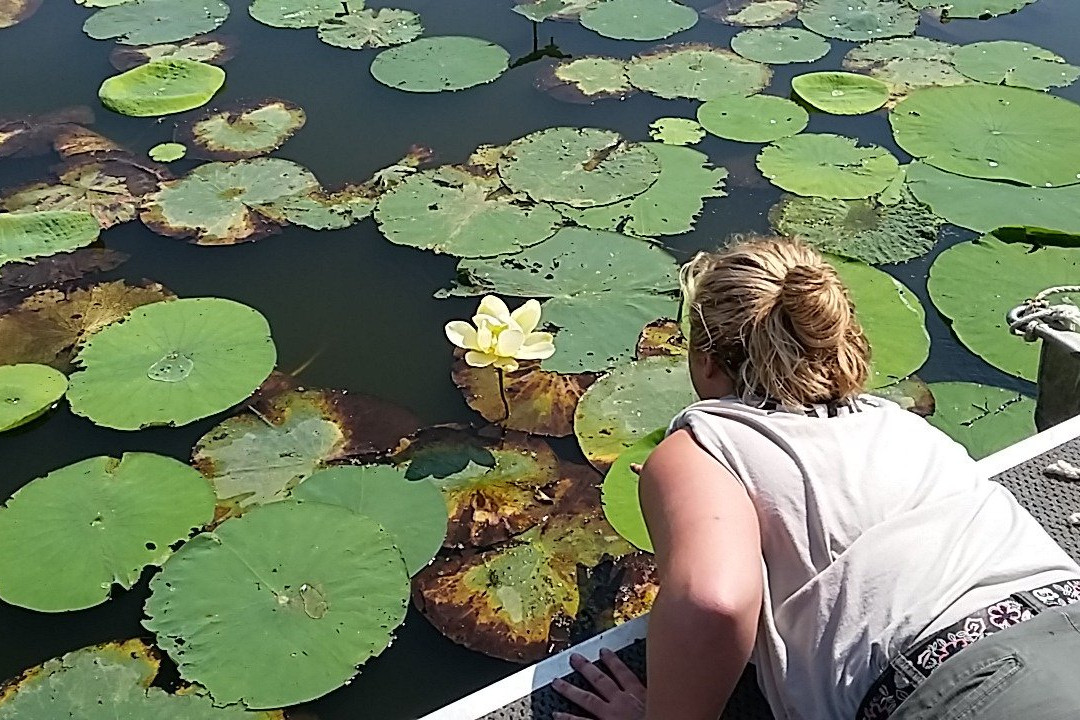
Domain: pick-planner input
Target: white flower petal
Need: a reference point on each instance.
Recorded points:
(506, 364)
(536, 346)
(527, 316)
(479, 359)
(485, 339)
(462, 334)
(493, 307)
(509, 342)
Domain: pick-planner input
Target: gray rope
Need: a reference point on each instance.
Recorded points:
(1037, 309)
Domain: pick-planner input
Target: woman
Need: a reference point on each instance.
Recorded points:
(848, 549)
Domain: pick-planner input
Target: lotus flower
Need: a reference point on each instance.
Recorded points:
(499, 337)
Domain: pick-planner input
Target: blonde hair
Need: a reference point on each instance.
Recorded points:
(778, 319)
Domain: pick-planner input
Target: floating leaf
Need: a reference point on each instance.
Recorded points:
(462, 212)
(17, 280)
(911, 48)
(638, 19)
(149, 22)
(321, 210)
(661, 337)
(604, 288)
(33, 134)
(222, 203)
(360, 28)
(622, 507)
(992, 132)
(586, 79)
(38, 234)
(212, 49)
(828, 166)
(982, 418)
(753, 13)
(906, 64)
(912, 394)
(670, 206)
(841, 93)
(243, 130)
(293, 13)
(281, 605)
(971, 8)
(27, 391)
(676, 131)
(780, 45)
(581, 167)
(172, 363)
(859, 20)
(167, 152)
(697, 71)
(77, 142)
(757, 118)
(438, 64)
(13, 12)
(540, 10)
(1017, 64)
(638, 587)
(96, 523)
(161, 87)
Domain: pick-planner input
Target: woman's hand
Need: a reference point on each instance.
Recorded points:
(616, 694)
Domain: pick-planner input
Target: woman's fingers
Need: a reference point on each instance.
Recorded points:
(582, 698)
(600, 680)
(636, 468)
(622, 674)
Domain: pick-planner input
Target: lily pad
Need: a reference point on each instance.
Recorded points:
(412, 511)
(18, 280)
(1017, 64)
(676, 131)
(95, 523)
(149, 22)
(360, 27)
(39, 234)
(906, 64)
(464, 212)
(757, 118)
(320, 209)
(281, 605)
(167, 152)
(780, 45)
(603, 288)
(586, 79)
(912, 394)
(222, 203)
(438, 64)
(172, 363)
(992, 132)
(661, 337)
(581, 167)
(841, 93)
(629, 403)
(212, 49)
(753, 13)
(622, 506)
(161, 87)
(27, 392)
(50, 325)
(860, 229)
(982, 418)
(670, 206)
(983, 9)
(638, 19)
(293, 13)
(912, 48)
(13, 12)
(829, 166)
(974, 285)
(244, 130)
(859, 20)
(697, 71)
(34, 134)
(540, 10)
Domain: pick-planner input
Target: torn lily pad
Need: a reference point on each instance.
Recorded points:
(859, 20)
(906, 64)
(28, 235)
(243, 130)
(293, 13)
(167, 152)
(359, 27)
(13, 12)
(982, 418)
(586, 79)
(96, 523)
(540, 10)
(757, 118)
(638, 19)
(34, 134)
(440, 64)
(661, 337)
(697, 71)
(267, 609)
(622, 506)
(212, 49)
(830, 166)
(780, 45)
(321, 209)
(676, 131)
(1016, 64)
(27, 391)
(162, 87)
(753, 13)
(150, 22)
(841, 93)
(19, 280)
(983, 9)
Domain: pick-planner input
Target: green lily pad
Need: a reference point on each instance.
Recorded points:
(841, 93)
(603, 288)
(540, 10)
(983, 9)
(753, 13)
(412, 511)
(697, 71)
(670, 206)
(462, 212)
(780, 45)
(281, 605)
(222, 203)
(27, 392)
(107, 681)
(172, 363)
(95, 523)
(911, 394)
(212, 49)
(293, 13)
(906, 64)
(974, 284)
(161, 87)
(586, 79)
(438, 64)
(757, 118)
(982, 418)
(149, 22)
(13, 12)
(638, 19)
(243, 131)
(167, 152)
(912, 48)
(360, 28)
(676, 131)
(859, 20)
(985, 205)
(829, 166)
(859, 229)
(1017, 64)
(581, 167)
(39, 234)
(992, 132)
(319, 209)
(622, 506)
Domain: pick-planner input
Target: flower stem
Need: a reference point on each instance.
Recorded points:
(502, 395)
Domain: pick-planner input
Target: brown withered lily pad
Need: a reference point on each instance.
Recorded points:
(661, 337)
(212, 49)
(540, 402)
(911, 394)
(77, 141)
(17, 280)
(585, 79)
(13, 12)
(34, 134)
(520, 601)
(494, 488)
(50, 325)
(243, 130)
(639, 583)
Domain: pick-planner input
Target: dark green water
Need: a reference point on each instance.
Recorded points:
(361, 305)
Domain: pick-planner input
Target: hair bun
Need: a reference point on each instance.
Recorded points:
(817, 304)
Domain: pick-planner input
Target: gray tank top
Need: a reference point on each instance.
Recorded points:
(876, 529)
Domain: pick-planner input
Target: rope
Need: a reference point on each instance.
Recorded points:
(1037, 309)
(1062, 469)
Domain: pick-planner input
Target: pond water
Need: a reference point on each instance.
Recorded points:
(358, 312)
